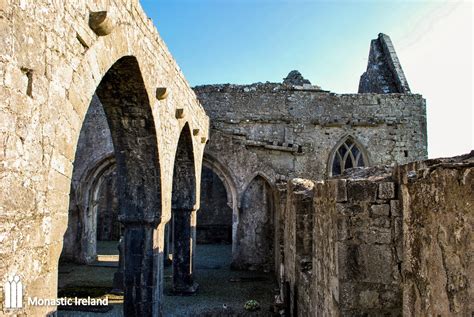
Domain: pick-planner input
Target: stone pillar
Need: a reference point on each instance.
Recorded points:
(168, 250)
(183, 282)
(140, 282)
(118, 276)
(159, 252)
(193, 237)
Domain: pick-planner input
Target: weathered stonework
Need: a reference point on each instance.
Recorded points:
(282, 131)
(293, 132)
(384, 73)
(346, 262)
(51, 64)
(298, 243)
(96, 116)
(276, 131)
(94, 163)
(385, 241)
(438, 237)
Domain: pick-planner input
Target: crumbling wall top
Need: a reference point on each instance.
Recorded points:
(384, 73)
(373, 173)
(294, 81)
(295, 78)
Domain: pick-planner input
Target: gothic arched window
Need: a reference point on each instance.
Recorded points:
(347, 155)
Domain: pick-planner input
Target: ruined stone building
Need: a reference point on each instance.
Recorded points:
(103, 139)
(55, 58)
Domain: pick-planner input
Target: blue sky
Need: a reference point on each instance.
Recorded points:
(244, 41)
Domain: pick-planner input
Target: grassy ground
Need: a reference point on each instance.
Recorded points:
(92, 280)
(222, 292)
(219, 286)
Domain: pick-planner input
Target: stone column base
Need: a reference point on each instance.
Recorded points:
(117, 283)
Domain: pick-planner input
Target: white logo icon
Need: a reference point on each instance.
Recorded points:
(13, 290)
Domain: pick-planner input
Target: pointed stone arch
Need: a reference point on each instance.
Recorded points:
(127, 108)
(56, 105)
(184, 214)
(255, 233)
(265, 176)
(83, 225)
(184, 173)
(227, 178)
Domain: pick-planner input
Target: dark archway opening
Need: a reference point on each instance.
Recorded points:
(129, 191)
(108, 226)
(180, 231)
(223, 291)
(214, 219)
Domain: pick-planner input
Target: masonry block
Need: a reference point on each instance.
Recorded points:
(341, 190)
(362, 190)
(395, 208)
(380, 210)
(386, 190)
(348, 209)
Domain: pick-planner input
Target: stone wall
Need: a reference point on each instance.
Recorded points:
(344, 244)
(255, 229)
(367, 240)
(438, 237)
(93, 160)
(94, 144)
(298, 244)
(279, 131)
(293, 129)
(324, 288)
(385, 241)
(108, 225)
(54, 56)
(384, 73)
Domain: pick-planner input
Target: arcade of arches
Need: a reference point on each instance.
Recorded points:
(115, 171)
